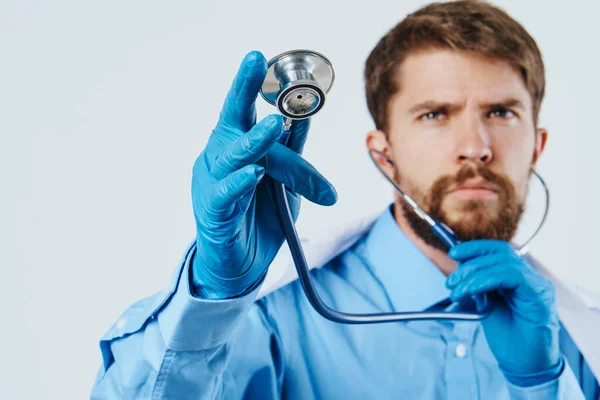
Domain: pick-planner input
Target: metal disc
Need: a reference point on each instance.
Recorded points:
(312, 62)
(300, 101)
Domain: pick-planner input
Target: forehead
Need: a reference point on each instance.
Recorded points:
(456, 76)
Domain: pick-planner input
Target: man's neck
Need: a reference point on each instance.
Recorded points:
(438, 257)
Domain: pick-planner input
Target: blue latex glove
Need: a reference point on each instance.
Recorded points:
(522, 331)
(238, 229)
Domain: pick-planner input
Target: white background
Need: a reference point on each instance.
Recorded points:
(104, 107)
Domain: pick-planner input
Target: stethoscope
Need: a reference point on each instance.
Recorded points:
(296, 83)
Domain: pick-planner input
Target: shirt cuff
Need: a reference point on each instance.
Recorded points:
(189, 323)
(565, 386)
(537, 378)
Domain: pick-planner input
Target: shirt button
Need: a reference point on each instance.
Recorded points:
(121, 323)
(460, 351)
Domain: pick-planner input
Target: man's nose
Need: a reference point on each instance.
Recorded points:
(474, 142)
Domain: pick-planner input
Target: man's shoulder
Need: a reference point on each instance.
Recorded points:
(319, 250)
(326, 278)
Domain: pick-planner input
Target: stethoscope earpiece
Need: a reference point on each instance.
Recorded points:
(382, 155)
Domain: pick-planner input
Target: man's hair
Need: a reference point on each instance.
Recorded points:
(466, 25)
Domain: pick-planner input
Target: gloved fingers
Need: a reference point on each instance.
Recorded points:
(227, 192)
(476, 248)
(248, 148)
(473, 265)
(484, 281)
(299, 134)
(286, 166)
(244, 202)
(239, 108)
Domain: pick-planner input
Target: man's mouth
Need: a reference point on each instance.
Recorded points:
(475, 189)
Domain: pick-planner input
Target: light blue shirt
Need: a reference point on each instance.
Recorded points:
(175, 345)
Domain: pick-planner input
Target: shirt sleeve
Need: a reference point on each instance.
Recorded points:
(175, 345)
(564, 387)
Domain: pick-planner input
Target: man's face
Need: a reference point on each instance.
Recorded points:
(462, 140)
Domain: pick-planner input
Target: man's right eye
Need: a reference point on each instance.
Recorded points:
(433, 115)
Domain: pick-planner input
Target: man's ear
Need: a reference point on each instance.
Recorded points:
(377, 140)
(541, 136)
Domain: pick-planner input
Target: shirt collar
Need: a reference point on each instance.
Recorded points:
(412, 281)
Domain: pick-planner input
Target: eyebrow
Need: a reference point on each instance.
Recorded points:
(438, 105)
(432, 105)
(508, 103)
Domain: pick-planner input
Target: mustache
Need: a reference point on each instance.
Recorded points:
(466, 172)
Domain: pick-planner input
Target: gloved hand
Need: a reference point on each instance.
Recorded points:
(522, 331)
(238, 229)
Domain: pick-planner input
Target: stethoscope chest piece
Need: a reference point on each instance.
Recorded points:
(297, 82)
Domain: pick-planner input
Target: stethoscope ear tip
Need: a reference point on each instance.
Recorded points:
(380, 154)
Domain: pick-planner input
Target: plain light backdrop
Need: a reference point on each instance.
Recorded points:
(104, 107)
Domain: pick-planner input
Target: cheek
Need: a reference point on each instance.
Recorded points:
(514, 159)
(418, 161)
(417, 174)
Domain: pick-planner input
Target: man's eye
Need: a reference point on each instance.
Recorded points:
(433, 115)
(501, 113)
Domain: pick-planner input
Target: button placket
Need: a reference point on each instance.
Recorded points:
(460, 374)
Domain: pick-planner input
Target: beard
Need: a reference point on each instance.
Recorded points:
(496, 219)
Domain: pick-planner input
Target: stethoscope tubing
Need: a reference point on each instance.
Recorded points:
(313, 297)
